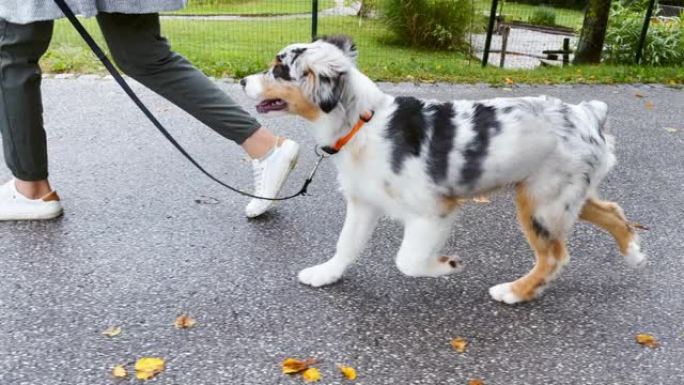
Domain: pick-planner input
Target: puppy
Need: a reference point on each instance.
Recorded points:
(417, 160)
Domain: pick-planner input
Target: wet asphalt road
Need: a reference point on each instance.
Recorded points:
(146, 237)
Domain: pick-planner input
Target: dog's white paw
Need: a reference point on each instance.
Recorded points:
(437, 267)
(448, 265)
(635, 258)
(321, 275)
(503, 292)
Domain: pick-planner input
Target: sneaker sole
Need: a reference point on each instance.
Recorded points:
(32, 217)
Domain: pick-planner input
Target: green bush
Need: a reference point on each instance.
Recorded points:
(664, 42)
(439, 24)
(543, 16)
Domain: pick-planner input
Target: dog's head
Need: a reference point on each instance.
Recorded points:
(304, 79)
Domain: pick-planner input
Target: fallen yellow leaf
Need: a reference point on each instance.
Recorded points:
(509, 81)
(112, 331)
(119, 371)
(311, 375)
(184, 321)
(459, 344)
(475, 381)
(647, 340)
(293, 365)
(481, 199)
(649, 105)
(148, 367)
(348, 372)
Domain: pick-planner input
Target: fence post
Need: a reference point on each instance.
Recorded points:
(504, 45)
(314, 19)
(490, 31)
(566, 51)
(644, 30)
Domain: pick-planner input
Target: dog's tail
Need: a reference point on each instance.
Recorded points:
(599, 110)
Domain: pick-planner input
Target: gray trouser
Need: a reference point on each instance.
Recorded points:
(136, 44)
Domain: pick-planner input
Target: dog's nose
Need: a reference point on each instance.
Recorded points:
(243, 82)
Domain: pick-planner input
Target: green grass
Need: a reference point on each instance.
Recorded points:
(237, 48)
(251, 7)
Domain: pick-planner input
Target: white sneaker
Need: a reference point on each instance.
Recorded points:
(270, 175)
(16, 207)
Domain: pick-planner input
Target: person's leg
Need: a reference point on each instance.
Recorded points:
(141, 52)
(29, 196)
(21, 109)
(138, 48)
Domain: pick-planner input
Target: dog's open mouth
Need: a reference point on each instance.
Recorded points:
(269, 105)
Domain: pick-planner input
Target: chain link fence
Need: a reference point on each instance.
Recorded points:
(237, 37)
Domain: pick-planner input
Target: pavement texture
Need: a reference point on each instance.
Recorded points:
(146, 238)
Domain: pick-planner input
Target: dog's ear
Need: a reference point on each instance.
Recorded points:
(329, 92)
(344, 43)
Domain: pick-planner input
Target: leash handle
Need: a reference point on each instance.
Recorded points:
(127, 89)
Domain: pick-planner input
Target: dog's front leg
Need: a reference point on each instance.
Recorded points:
(358, 226)
(419, 253)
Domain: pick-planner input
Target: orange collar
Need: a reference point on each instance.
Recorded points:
(341, 142)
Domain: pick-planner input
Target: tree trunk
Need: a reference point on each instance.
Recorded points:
(593, 32)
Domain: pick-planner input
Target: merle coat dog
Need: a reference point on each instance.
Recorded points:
(418, 160)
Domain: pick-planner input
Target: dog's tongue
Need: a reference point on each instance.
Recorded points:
(271, 105)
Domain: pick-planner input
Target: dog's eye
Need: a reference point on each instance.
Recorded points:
(282, 71)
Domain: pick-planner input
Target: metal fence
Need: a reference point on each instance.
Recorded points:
(236, 37)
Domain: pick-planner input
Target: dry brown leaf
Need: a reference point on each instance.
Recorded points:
(119, 371)
(184, 321)
(638, 94)
(649, 105)
(647, 340)
(482, 199)
(639, 226)
(148, 367)
(348, 372)
(293, 365)
(112, 331)
(459, 344)
(475, 381)
(311, 375)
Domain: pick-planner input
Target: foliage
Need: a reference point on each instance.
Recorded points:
(440, 24)
(543, 16)
(664, 43)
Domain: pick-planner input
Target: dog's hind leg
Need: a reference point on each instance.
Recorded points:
(419, 256)
(609, 216)
(544, 226)
(358, 226)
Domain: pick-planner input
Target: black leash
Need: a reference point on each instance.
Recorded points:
(127, 89)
